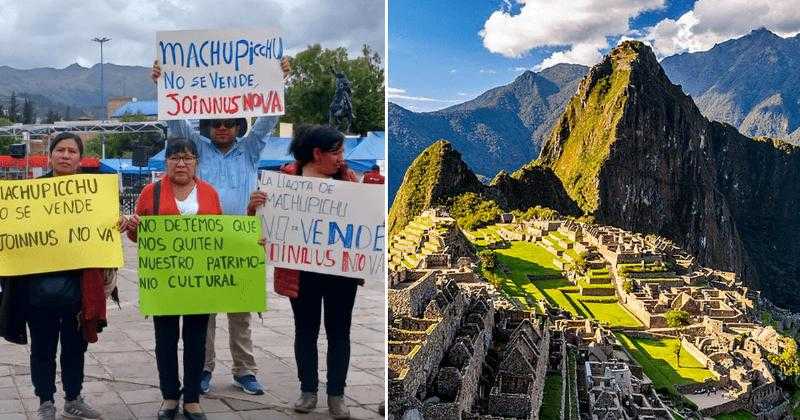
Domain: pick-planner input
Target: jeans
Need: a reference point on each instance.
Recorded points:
(47, 324)
(194, 341)
(337, 295)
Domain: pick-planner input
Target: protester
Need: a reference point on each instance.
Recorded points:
(180, 192)
(228, 160)
(373, 176)
(319, 153)
(65, 305)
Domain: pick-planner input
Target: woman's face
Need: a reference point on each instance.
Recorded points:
(329, 163)
(65, 157)
(181, 167)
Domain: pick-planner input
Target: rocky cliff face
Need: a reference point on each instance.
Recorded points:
(437, 174)
(634, 150)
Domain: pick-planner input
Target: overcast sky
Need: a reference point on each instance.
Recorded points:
(47, 33)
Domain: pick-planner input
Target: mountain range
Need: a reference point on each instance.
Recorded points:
(752, 83)
(501, 129)
(634, 151)
(75, 87)
(749, 82)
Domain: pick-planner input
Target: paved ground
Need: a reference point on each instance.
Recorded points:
(122, 382)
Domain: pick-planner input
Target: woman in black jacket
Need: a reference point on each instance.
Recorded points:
(49, 303)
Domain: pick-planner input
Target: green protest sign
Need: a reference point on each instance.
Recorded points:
(200, 265)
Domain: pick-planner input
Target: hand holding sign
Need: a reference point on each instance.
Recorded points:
(219, 74)
(48, 224)
(200, 264)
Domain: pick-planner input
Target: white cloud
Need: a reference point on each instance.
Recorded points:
(401, 94)
(453, 71)
(422, 99)
(487, 71)
(37, 33)
(579, 26)
(462, 94)
(713, 21)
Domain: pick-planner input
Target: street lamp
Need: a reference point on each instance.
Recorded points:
(101, 41)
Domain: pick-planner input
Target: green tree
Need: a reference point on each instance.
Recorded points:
(787, 361)
(28, 113)
(536, 213)
(471, 211)
(121, 145)
(6, 140)
(676, 350)
(12, 107)
(627, 286)
(677, 318)
(311, 86)
(488, 259)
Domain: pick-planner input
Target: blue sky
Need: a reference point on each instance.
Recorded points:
(438, 55)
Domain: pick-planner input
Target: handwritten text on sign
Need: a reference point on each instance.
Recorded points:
(200, 265)
(219, 74)
(324, 226)
(60, 223)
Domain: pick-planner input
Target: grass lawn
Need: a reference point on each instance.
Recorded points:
(551, 399)
(612, 313)
(661, 365)
(524, 258)
(736, 415)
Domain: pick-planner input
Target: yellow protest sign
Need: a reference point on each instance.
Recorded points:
(60, 223)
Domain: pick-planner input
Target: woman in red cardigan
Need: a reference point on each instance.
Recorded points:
(319, 152)
(180, 192)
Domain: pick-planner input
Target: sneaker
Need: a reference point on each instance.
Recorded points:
(249, 384)
(46, 411)
(78, 409)
(337, 407)
(205, 382)
(306, 403)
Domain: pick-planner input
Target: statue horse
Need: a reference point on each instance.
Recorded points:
(341, 110)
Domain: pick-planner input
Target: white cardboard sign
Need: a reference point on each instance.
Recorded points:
(323, 225)
(219, 74)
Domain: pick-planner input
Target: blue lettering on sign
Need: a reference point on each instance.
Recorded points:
(208, 53)
(335, 234)
(312, 232)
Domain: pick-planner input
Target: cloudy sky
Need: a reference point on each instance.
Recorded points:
(441, 55)
(48, 33)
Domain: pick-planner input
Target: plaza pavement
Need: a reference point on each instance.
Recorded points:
(122, 382)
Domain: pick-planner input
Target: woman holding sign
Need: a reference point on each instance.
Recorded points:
(66, 306)
(319, 152)
(179, 193)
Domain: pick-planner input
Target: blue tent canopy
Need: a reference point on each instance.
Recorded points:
(370, 148)
(124, 166)
(276, 151)
(369, 151)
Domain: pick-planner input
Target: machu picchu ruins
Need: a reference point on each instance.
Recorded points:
(566, 319)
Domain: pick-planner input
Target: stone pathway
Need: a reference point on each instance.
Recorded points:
(122, 381)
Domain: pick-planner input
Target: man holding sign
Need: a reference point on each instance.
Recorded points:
(224, 75)
(324, 237)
